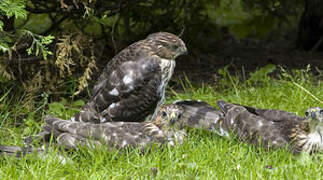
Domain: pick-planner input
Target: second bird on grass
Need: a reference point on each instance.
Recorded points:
(269, 128)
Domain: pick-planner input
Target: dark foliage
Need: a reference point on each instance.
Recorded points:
(310, 35)
(45, 45)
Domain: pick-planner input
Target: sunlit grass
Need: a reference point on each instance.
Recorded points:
(203, 155)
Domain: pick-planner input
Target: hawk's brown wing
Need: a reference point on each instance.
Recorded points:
(254, 128)
(274, 115)
(127, 93)
(113, 134)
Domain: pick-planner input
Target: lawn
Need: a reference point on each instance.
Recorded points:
(204, 155)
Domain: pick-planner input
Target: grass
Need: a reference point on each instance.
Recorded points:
(203, 155)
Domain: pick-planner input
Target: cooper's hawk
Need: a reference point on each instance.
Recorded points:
(275, 128)
(132, 85)
(165, 128)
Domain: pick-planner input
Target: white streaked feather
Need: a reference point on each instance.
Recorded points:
(127, 79)
(167, 67)
(114, 92)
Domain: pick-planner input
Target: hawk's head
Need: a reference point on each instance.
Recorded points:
(169, 117)
(315, 116)
(311, 141)
(167, 45)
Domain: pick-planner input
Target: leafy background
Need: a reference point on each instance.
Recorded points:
(253, 52)
(56, 46)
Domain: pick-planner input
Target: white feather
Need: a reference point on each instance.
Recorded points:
(127, 79)
(167, 67)
(114, 92)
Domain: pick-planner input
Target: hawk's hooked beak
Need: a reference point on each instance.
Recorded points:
(183, 50)
(186, 52)
(313, 115)
(172, 118)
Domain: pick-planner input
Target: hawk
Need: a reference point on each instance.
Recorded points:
(165, 128)
(132, 85)
(274, 128)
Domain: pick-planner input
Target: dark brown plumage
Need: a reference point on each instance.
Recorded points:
(201, 115)
(266, 127)
(132, 85)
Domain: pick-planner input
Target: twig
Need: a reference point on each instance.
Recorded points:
(182, 31)
(308, 92)
(112, 33)
(317, 45)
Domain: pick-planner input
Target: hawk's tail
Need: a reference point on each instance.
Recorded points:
(28, 149)
(19, 151)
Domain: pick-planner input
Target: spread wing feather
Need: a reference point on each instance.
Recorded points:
(201, 115)
(274, 115)
(251, 127)
(113, 134)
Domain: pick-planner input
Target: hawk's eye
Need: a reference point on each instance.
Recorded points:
(164, 114)
(175, 46)
(307, 114)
